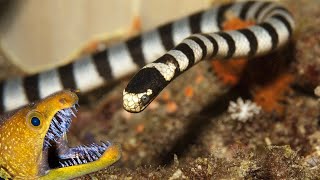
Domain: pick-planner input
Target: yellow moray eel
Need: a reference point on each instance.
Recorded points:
(33, 142)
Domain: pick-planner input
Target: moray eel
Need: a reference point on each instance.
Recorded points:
(33, 142)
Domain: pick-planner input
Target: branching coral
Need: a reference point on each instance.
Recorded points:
(243, 110)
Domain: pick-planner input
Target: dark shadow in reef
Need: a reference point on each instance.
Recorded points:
(198, 124)
(259, 70)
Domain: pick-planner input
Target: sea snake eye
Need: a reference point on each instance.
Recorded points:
(35, 121)
(145, 99)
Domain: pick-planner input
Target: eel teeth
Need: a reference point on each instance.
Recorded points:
(60, 125)
(83, 154)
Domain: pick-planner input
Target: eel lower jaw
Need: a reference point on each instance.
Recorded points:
(58, 155)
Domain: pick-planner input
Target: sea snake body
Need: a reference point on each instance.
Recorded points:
(274, 29)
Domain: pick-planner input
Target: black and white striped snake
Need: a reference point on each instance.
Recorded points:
(274, 27)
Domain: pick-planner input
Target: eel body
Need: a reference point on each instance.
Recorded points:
(33, 142)
(274, 28)
(127, 57)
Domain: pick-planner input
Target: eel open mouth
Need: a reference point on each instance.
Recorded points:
(57, 154)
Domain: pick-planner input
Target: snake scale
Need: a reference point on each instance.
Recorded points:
(176, 46)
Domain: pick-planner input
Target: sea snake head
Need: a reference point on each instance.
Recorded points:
(33, 142)
(142, 89)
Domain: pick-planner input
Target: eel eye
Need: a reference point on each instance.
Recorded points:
(145, 99)
(35, 121)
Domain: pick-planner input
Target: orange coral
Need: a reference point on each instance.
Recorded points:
(188, 91)
(140, 128)
(268, 96)
(171, 107)
(165, 95)
(233, 23)
(229, 72)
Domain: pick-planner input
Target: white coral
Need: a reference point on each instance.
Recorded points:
(243, 110)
